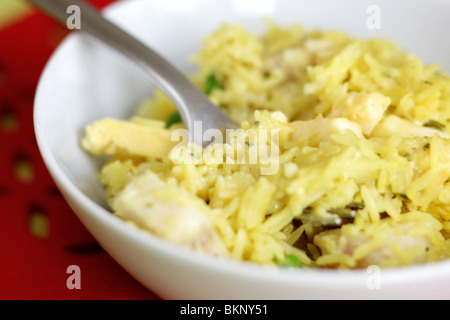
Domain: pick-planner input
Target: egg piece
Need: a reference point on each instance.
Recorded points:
(170, 212)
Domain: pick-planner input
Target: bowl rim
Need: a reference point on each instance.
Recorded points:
(319, 277)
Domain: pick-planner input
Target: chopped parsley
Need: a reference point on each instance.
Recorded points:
(212, 83)
(290, 261)
(173, 119)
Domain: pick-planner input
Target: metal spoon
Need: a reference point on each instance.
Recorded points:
(193, 105)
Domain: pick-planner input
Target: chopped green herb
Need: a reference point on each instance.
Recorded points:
(173, 119)
(434, 124)
(248, 144)
(212, 83)
(290, 261)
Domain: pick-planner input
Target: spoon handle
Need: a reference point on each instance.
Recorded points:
(192, 104)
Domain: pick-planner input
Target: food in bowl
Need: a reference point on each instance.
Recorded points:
(342, 160)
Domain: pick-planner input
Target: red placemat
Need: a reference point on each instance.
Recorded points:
(40, 236)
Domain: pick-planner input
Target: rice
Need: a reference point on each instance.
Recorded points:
(371, 150)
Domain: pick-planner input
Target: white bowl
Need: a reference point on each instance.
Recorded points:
(85, 81)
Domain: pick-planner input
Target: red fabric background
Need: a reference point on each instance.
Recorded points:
(34, 267)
